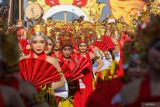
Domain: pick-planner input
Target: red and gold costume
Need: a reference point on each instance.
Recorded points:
(145, 96)
(104, 94)
(82, 93)
(106, 40)
(37, 71)
(23, 42)
(72, 66)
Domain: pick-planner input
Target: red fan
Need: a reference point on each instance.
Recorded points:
(77, 72)
(38, 72)
(101, 45)
(66, 70)
(108, 42)
(73, 70)
(105, 44)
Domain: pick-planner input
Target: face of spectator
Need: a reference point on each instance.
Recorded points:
(38, 45)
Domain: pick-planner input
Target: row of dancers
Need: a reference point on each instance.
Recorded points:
(62, 72)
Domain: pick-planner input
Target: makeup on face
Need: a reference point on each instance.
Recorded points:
(38, 44)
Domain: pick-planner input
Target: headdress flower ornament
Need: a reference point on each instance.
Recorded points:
(21, 32)
(39, 28)
(82, 37)
(41, 34)
(148, 32)
(132, 47)
(66, 39)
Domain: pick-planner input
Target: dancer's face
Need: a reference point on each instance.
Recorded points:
(50, 45)
(67, 52)
(82, 47)
(154, 56)
(136, 69)
(24, 37)
(57, 45)
(38, 44)
(108, 32)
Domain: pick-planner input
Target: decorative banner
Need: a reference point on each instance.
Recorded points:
(125, 8)
(52, 2)
(86, 5)
(49, 3)
(65, 8)
(79, 3)
(93, 8)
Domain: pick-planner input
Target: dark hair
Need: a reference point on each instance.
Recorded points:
(9, 51)
(154, 42)
(112, 55)
(66, 46)
(145, 58)
(50, 38)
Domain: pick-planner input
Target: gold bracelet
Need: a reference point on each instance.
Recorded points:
(95, 58)
(44, 87)
(60, 71)
(50, 90)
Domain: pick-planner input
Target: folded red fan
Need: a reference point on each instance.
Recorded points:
(38, 72)
(66, 71)
(101, 45)
(108, 42)
(105, 44)
(76, 77)
(77, 72)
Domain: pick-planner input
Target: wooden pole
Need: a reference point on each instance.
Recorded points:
(65, 17)
(10, 12)
(20, 10)
(20, 13)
